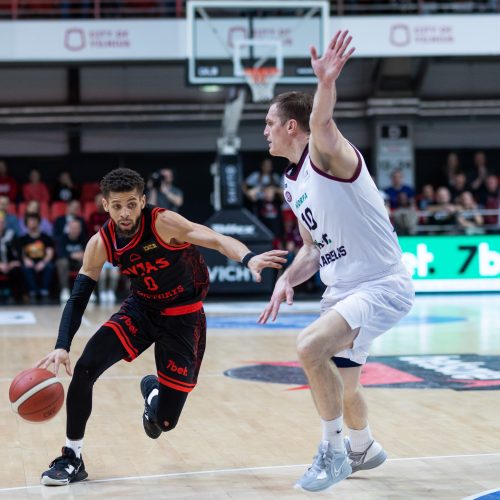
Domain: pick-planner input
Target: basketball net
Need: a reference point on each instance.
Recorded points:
(262, 81)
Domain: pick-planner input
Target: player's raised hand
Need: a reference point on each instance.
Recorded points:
(57, 357)
(282, 291)
(273, 258)
(329, 66)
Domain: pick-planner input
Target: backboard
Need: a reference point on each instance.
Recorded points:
(225, 37)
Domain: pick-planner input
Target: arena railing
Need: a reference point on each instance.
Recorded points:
(96, 9)
(437, 229)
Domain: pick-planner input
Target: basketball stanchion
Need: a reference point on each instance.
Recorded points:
(261, 81)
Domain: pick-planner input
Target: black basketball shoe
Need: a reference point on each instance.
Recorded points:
(149, 384)
(64, 470)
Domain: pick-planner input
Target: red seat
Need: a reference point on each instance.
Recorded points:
(89, 191)
(12, 209)
(89, 207)
(57, 209)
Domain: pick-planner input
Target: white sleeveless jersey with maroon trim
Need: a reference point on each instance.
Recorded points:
(347, 220)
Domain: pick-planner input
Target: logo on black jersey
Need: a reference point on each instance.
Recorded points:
(149, 247)
(134, 256)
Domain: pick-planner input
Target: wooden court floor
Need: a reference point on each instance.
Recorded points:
(247, 439)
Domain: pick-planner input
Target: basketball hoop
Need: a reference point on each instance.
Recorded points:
(262, 81)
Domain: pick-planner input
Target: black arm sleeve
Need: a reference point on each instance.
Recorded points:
(73, 311)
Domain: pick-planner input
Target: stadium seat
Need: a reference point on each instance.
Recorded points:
(89, 207)
(57, 209)
(12, 209)
(89, 190)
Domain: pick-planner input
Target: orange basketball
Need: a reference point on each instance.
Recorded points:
(36, 394)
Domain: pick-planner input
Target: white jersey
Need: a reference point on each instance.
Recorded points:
(347, 220)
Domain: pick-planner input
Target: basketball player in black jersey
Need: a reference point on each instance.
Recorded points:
(169, 279)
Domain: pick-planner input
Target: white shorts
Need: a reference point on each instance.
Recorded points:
(373, 306)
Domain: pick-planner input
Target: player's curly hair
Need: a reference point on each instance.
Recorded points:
(296, 106)
(121, 180)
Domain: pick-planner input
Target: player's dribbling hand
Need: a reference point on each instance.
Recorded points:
(273, 258)
(57, 357)
(282, 291)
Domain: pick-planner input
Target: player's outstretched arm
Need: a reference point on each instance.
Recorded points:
(328, 148)
(305, 265)
(93, 260)
(173, 226)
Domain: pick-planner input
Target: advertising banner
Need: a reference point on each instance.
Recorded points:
(166, 39)
(453, 263)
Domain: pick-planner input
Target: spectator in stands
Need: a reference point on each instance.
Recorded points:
(61, 224)
(69, 250)
(10, 266)
(426, 198)
(479, 174)
(447, 174)
(490, 200)
(459, 186)
(269, 213)
(10, 220)
(254, 184)
(469, 219)
(98, 218)
(33, 207)
(36, 250)
(8, 185)
(65, 189)
(405, 217)
(397, 187)
(35, 188)
(443, 213)
(163, 193)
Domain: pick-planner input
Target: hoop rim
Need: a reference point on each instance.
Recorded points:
(262, 70)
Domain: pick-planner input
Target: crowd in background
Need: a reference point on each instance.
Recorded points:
(177, 8)
(459, 200)
(44, 230)
(44, 227)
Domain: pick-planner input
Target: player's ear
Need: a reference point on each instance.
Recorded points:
(105, 204)
(291, 126)
(143, 201)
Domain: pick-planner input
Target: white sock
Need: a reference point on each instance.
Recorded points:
(332, 432)
(76, 446)
(361, 439)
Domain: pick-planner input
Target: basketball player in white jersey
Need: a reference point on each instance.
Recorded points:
(348, 237)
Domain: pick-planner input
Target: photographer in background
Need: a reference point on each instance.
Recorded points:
(162, 192)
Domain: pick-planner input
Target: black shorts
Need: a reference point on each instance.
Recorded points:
(179, 340)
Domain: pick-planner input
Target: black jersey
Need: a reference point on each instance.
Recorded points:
(173, 278)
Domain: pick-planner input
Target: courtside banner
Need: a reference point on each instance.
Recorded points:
(446, 35)
(166, 39)
(453, 263)
(103, 40)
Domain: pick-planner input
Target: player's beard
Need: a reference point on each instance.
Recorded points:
(128, 233)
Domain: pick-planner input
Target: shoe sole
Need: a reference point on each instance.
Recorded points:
(149, 432)
(301, 488)
(377, 460)
(49, 481)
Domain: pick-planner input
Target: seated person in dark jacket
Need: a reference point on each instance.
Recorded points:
(73, 211)
(69, 250)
